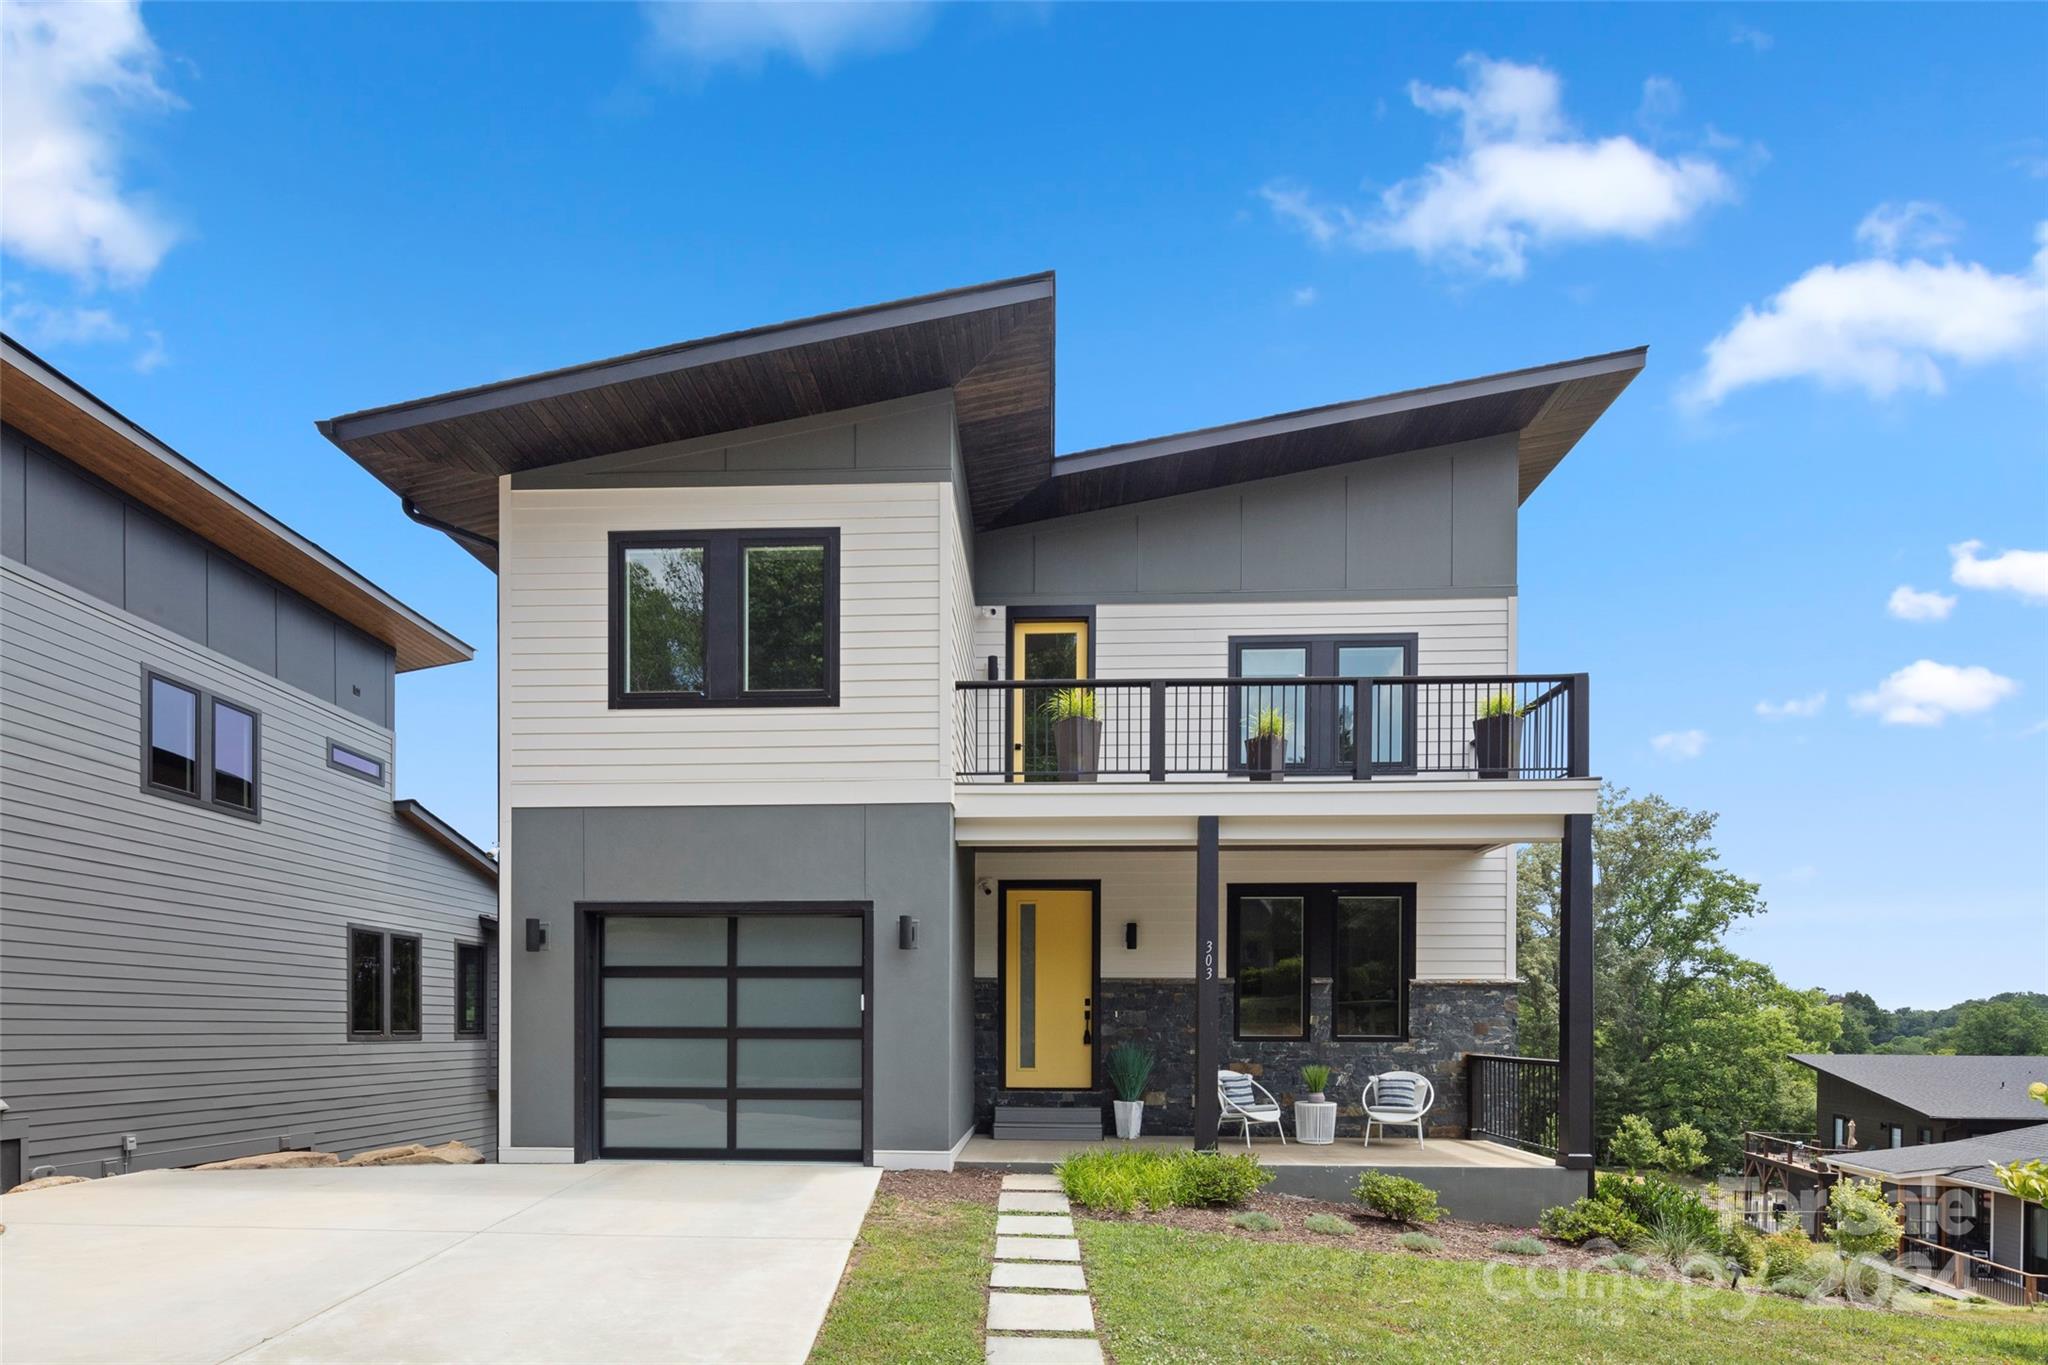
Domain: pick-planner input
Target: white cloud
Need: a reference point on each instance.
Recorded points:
(1915, 227)
(1910, 604)
(1799, 708)
(1753, 38)
(1523, 178)
(2022, 571)
(817, 34)
(1927, 693)
(41, 325)
(1881, 324)
(1304, 296)
(1661, 101)
(152, 357)
(1680, 744)
(67, 74)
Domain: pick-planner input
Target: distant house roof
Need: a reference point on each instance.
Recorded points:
(1942, 1087)
(1963, 1162)
(449, 838)
(992, 346)
(60, 413)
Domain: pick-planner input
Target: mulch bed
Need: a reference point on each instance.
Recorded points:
(966, 1184)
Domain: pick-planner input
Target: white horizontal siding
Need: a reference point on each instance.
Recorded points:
(564, 746)
(1464, 902)
(180, 974)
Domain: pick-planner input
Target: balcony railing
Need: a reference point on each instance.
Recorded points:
(1972, 1272)
(1512, 1100)
(1514, 726)
(1787, 1149)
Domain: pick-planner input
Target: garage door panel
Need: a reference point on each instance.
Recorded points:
(799, 941)
(800, 1063)
(800, 1002)
(799, 1125)
(655, 1124)
(687, 1063)
(664, 1002)
(666, 941)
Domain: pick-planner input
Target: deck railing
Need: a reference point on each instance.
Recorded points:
(1788, 1149)
(1972, 1273)
(1512, 1100)
(1512, 726)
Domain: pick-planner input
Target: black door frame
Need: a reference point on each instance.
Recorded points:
(1094, 889)
(589, 970)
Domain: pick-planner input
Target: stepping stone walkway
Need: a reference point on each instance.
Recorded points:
(1039, 1312)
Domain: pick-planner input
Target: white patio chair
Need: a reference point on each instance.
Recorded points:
(1241, 1098)
(1398, 1098)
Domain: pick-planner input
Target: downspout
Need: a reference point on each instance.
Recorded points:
(412, 509)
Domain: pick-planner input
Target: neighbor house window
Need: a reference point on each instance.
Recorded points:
(724, 618)
(383, 984)
(470, 988)
(1321, 727)
(1840, 1135)
(1284, 940)
(198, 747)
(349, 761)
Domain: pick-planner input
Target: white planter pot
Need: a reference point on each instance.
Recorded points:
(1130, 1116)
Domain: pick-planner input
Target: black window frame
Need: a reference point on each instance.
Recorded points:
(1319, 933)
(482, 958)
(724, 617)
(1319, 745)
(335, 745)
(204, 700)
(385, 1034)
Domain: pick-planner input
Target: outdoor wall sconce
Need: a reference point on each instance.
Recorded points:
(906, 932)
(536, 936)
(1131, 934)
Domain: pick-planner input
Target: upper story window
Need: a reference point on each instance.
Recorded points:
(349, 761)
(200, 748)
(1318, 721)
(724, 618)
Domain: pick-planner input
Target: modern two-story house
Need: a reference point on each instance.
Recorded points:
(868, 773)
(220, 934)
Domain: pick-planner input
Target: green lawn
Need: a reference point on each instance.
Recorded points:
(1167, 1295)
(916, 1288)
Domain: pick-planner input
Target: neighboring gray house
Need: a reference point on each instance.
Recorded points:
(219, 934)
(1867, 1101)
(800, 862)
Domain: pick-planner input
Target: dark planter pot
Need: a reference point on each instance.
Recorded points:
(1077, 741)
(1266, 758)
(1496, 743)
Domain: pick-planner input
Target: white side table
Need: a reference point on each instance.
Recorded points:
(1315, 1123)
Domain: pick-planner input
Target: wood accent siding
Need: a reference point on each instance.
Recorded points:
(1464, 912)
(175, 973)
(564, 747)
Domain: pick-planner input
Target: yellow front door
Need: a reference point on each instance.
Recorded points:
(1049, 989)
(1056, 651)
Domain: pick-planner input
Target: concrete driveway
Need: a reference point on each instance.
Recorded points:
(614, 1261)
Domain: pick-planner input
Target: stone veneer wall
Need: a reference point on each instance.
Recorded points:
(1446, 1020)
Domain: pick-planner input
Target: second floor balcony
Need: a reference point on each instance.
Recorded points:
(1509, 727)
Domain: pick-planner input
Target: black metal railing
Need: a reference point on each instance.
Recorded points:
(1512, 1100)
(1156, 729)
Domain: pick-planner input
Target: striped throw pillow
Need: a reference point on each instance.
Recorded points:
(1237, 1088)
(1394, 1092)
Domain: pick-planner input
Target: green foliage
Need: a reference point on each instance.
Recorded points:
(1255, 1222)
(1679, 1241)
(1269, 722)
(1120, 1180)
(1069, 703)
(1787, 1254)
(2027, 1179)
(1418, 1241)
(1862, 1221)
(1626, 1261)
(1499, 704)
(2011, 1024)
(665, 619)
(1743, 1245)
(1129, 1066)
(1397, 1197)
(1653, 1199)
(1315, 1078)
(1634, 1144)
(1584, 1219)
(1519, 1246)
(1329, 1225)
(1684, 1028)
(1685, 1149)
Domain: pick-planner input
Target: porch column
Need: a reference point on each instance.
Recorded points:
(1208, 951)
(1575, 996)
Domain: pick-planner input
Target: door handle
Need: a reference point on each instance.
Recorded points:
(1087, 1023)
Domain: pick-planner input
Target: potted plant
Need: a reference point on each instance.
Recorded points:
(1497, 736)
(1265, 745)
(1129, 1067)
(1315, 1076)
(1076, 733)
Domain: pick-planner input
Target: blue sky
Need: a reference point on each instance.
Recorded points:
(1824, 221)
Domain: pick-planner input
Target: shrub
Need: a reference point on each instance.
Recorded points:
(1397, 1197)
(1418, 1241)
(1255, 1222)
(1635, 1145)
(1679, 1242)
(1329, 1224)
(1213, 1180)
(1519, 1246)
(1626, 1261)
(1864, 1222)
(1585, 1219)
(1685, 1149)
(1787, 1252)
(1129, 1067)
(1653, 1199)
(1744, 1245)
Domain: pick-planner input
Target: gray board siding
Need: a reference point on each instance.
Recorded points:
(61, 520)
(1435, 522)
(177, 973)
(899, 857)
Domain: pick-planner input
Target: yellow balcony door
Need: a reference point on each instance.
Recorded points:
(1049, 988)
(1056, 651)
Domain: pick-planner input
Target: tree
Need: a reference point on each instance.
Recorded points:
(1685, 1031)
(1864, 1025)
(1998, 1028)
